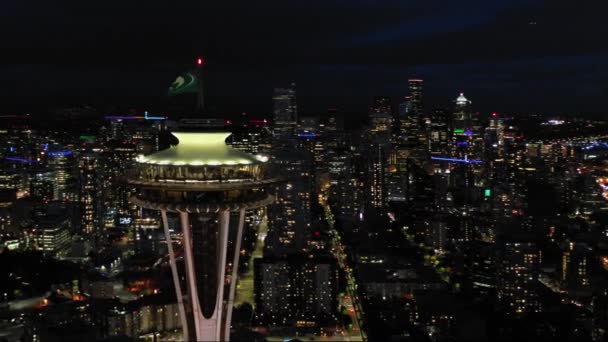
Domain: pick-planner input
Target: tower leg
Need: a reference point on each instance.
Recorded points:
(176, 282)
(190, 276)
(233, 278)
(208, 326)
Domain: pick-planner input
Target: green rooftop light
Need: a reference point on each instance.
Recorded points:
(459, 131)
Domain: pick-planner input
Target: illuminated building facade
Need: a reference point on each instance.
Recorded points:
(517, 275)
(90, 193)
(289, 216)
(295, 290)
(376, 181)
(415, 88)
(381, 121)
(577, 262)
(53, 238)
(285, 113)
(62, 165)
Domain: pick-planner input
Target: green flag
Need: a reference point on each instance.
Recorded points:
(187, 83)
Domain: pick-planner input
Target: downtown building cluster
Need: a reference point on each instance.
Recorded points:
(427, 223)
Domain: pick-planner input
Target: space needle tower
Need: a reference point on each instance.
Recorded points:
(203, 181)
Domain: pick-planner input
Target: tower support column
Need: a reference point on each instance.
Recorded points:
(233, 277)
(175, 274)
(206, 329)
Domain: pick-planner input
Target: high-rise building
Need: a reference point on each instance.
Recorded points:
(285, 113)
(464, 135)
(90, 193)
(344, 187)
(462, 119)
(203, 180)
(381, 121)
(576, 267)
(289, 216)
(415, 87)
(295, 290)
(376, 181)
(252, 137)
(63, 166)
(53, 236)
(518, 268)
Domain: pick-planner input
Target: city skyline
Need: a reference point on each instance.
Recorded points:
(359, 171)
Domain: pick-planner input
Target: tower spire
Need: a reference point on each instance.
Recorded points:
(200, 93)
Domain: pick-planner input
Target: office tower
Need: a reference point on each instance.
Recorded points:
(376, 181)
(494, 138)
(334, 121)
(53, 236)
(146, 237)
(439, 133)
(381, 121)
(344, 190)
(462, 118)
(90, 193)
(252, 137)
(480, 267)
(285, 113)
(41, 186)
(464, 136)
(203, 180)
(62, 165)
(120, 156)
(577, 260)
(517, 273)
(396, 174)
(415, 87)
(294, 290)
(289, 216)
(409, 124)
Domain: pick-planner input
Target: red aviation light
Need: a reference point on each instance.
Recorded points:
(200, 61)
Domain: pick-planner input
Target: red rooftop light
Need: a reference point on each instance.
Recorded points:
(200, 61)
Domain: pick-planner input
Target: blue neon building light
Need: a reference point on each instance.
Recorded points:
(456, 160)
(60, 153)
(21, 160)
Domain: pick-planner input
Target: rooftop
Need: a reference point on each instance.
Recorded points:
(201, 149)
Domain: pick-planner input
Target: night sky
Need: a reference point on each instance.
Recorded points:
(505, 55)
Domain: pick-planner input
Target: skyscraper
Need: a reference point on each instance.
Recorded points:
(285, 112)
(415, 86)
(462, 119)
(517, 274)
(289, 216)
(381, 120)
(90, 193)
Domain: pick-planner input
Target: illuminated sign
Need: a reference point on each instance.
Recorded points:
(487, 192)
(124, 220)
